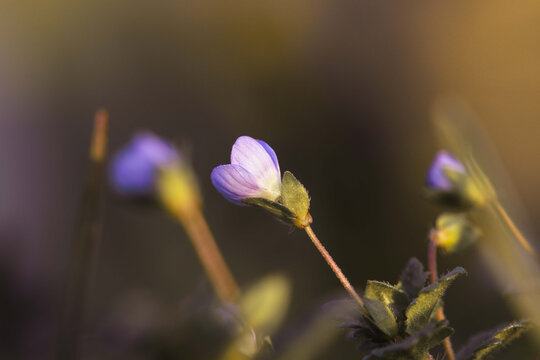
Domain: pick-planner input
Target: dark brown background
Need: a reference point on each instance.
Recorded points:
(341, 90)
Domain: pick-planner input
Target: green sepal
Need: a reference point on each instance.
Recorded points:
(273, 207)
(466, 191)
(382, 316)
(420, 311)
(486, 343)
(291, 207)
(294, 197)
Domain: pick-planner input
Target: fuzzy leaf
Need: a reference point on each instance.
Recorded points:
(394, 298)
(412, 278)
(294, 197)
(414, 347)
(382, 316)
(485, 343)
(439, 334)
(421, 309)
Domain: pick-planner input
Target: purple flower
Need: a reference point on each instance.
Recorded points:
(134, 168)
(437, 178)
(253, 172)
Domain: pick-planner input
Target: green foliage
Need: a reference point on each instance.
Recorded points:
(382, 316)
(261, 310)
(415, 346)
(412, 278)
(293, 204)
(481, 345)
(394, 299)
(420, 311)
(399, 322)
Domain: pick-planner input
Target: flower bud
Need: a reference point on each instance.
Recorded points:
(450, 183)
(134, 168)
(151, 167)
(454, 232)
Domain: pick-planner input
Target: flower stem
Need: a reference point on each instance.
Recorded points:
(513, 228)
(432, 263)
(342, 278)
(208, 252)
(82, 261)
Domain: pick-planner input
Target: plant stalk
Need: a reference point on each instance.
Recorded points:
(514, 229)
(209, 254)
(335, 268)
(432, 263)
(81, 265)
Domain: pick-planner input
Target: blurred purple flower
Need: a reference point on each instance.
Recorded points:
(133, 170)
(253, 172)
(436, 178)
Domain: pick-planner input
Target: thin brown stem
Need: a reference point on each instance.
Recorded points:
(432, 263)
(335, 268)
(208, 252)
(82, 262)
(513, 228)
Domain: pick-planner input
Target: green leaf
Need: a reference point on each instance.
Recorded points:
(295, 198)
(439, 334)
(382, 316)
(412, 278)
(394, 298)
(264, 305)
(414, 347)
(421, 309)
(486, 343)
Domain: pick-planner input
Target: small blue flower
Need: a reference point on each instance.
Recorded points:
(253, 172)
(437, 179)
(134, 168)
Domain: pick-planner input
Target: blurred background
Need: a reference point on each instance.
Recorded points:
(341, 90)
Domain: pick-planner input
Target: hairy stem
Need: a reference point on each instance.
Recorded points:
(209, 254)
(432, 263)
(335, 268)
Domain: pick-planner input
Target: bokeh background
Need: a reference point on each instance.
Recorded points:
(342, 91)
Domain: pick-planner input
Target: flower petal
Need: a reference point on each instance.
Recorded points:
(235, 183)
(272, 154)
(155, 149)
(254, 157)
(436, 177)
(134, 168)
(132, 175)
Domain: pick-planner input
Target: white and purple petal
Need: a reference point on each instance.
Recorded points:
(272, 154)
(235, 183)
(253, 172)
(436, 177)
(255, 157)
